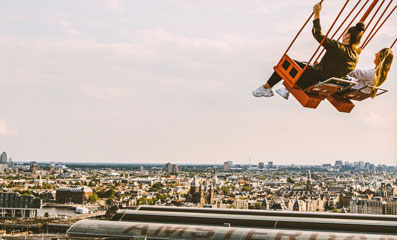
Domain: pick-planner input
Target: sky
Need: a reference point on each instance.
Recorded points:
(171, 80)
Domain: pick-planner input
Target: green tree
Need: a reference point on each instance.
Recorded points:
(93, 198)
(156, 186)
(290, 180)
(225, 190)
(246, 188)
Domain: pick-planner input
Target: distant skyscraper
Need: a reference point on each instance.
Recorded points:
(367, 164)
(270, 164)
(34, 167)
(3, 158)
(168, 167)
(361, 165)
(230, 163)
(261, 165)
(226, 166)
(338, 163)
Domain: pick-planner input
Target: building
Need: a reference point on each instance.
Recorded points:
(261, 165)
(391, 208)
(241, 204)
(366, 207)
(270, 164)
(169, 168)
(3, 158)
(230, 164)
(73, 195)
(34, 167)
(14, 205)
(338, 163)
(227, 165)
(361, 165)
(201, 194)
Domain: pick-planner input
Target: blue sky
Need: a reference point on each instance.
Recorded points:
(171, 80)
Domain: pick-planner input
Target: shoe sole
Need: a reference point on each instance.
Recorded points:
(285, 97)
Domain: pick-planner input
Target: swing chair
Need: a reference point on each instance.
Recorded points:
(337, 91)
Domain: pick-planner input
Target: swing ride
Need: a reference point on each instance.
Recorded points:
(338, 92)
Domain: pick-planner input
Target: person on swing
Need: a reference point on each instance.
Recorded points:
(368, 80)
(339, 59)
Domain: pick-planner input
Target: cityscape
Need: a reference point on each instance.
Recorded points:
(44, 196)
(203, 120)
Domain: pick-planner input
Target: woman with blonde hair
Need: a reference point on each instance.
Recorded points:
(373, 78)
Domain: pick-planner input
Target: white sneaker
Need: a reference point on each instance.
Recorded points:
(283, 92)
(262, 92)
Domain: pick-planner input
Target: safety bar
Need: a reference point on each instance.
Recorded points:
(338, 81)
(377, 89)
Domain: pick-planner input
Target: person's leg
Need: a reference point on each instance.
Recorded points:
(273, 80)
(310, 76)
(266, 89)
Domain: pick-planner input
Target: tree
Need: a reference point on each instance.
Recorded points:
(225, 190)
(109, 201)
(93, 198)
(246, 188)
(290, 180)
(156, 186)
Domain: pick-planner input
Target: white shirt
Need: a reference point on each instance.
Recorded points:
(363, 78)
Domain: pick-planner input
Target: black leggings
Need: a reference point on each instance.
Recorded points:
(309, 77)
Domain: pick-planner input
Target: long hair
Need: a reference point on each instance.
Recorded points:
(386, 58)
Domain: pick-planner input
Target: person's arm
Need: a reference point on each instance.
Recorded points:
(317, 10)
(317, 34)
(363, 78)
(362, 74)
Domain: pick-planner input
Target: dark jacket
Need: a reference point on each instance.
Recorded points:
(339, 59)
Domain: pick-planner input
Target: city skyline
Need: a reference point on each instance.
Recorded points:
(137, 82)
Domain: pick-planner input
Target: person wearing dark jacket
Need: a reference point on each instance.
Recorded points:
(339, 59)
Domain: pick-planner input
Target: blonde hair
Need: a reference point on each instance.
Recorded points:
(386, 58)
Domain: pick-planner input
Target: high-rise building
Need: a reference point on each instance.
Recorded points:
(270, 164)
(338, 163)
(361, 165)
(226, 166)
(33, 167)
(3, 158)
(230, 163)
(261, 165)
(367, 164)
(168, 167)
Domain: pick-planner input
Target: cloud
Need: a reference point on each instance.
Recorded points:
(375, 120)
(115, 5)
(101, 92)
(5, 130)
(158, 36)
(68, 28)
